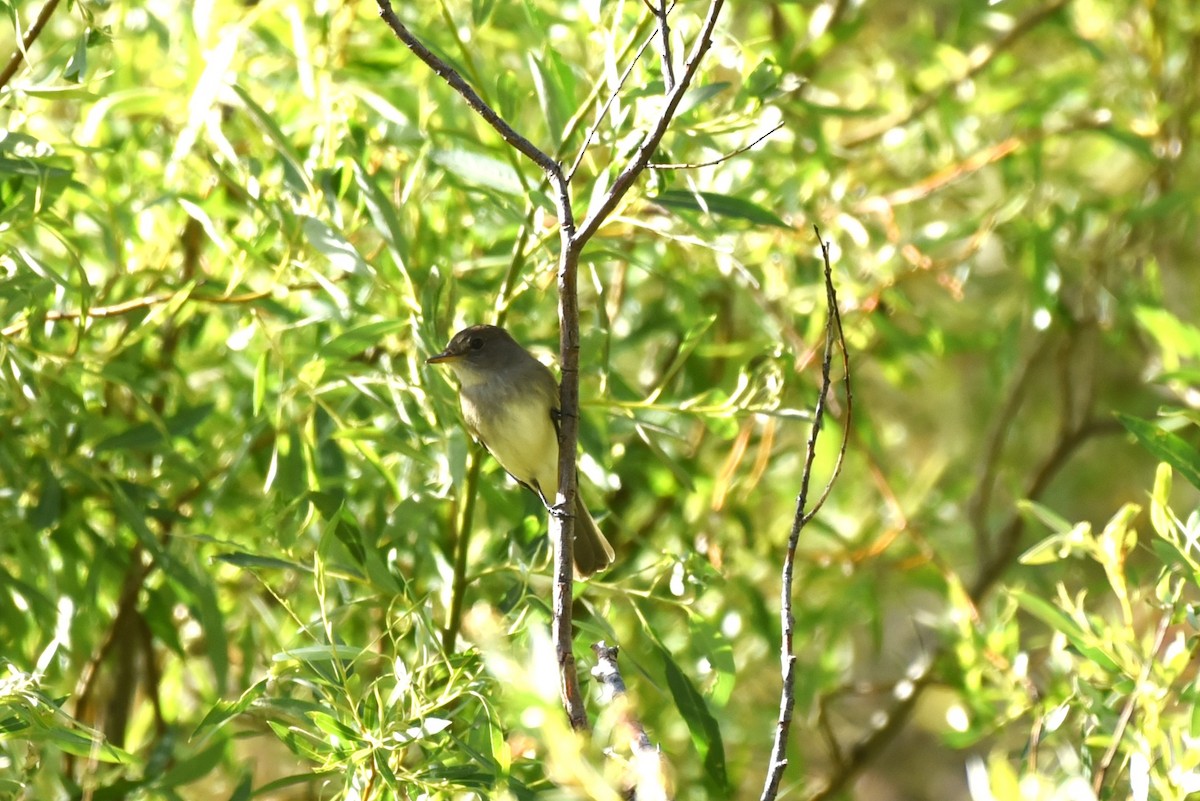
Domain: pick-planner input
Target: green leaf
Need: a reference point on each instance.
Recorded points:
(336, 248)
(706, 734)
(297, 175)
(1166, 447)
(481, 11)
(699, 95)
(250, 560)
(474, 169)
(319, 653)
(152, 435)
(718, 205)
(358, 339)
(1083, 640)
(193, 767)
(223, 711)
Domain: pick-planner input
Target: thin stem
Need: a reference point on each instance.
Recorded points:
(787, 700)
(650, 144)
(648, 768)
(462, 546)
(600, 115)
(719, 159)
(661, 11)
(18, 57)
(1160, 636)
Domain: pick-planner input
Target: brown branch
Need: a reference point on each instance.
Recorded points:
(562, 522)
(979, 63)
(650, 772)
(572, 244)
(716, 161)
(650, 144)
(660, 12)
(31, 36)
(834, 337)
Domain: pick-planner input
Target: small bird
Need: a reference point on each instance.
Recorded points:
(510, 404)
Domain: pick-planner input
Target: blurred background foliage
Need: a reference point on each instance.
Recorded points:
(232, 492)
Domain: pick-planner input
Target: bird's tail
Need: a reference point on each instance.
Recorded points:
(592, 551)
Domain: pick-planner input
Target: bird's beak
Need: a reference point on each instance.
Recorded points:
(445, 356)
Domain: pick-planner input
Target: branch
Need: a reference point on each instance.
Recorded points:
(1160, 636)
(572, 242)
(31, 36)
(718, 160)
(787, 700)
(660, 12)
(591, 133)
(562, 521)
(650, 771)
(646, 150)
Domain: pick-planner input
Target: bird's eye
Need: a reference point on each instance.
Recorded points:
(476, 343)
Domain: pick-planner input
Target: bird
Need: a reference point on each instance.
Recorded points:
(510, 403)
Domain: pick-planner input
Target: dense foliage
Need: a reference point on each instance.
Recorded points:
(234, 495)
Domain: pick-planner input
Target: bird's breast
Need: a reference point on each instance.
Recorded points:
(519, 432)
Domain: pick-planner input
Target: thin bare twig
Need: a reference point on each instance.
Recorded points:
(834, 338)
(650, 144)
(661, 11)
(591, 133)
(649, 779)
(35, 30)
(716, 161)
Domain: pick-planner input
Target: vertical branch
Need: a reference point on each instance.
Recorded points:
(562, 523)
(664, 36)
(787, 699)
(462, 546)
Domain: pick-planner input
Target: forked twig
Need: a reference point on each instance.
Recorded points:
(834, 337)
